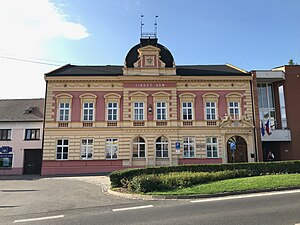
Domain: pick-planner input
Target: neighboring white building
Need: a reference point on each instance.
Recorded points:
(21, 130)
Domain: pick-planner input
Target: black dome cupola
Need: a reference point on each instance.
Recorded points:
(149, 58)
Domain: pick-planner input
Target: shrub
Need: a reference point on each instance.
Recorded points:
(123, 177)
(151, 182)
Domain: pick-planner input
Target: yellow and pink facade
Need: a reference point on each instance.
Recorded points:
(148, 112)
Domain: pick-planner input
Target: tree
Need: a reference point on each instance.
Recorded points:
(292, 63)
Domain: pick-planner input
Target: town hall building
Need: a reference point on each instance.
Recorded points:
(147, 112)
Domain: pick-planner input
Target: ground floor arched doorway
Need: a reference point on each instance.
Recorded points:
(237, 149)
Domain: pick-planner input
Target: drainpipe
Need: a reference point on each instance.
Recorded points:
(44, 126)
(253, 117)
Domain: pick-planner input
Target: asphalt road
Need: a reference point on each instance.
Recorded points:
(278, 208)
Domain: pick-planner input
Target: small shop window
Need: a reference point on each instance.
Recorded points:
(6, 160)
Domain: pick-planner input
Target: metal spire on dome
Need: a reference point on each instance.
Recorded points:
(149, 34)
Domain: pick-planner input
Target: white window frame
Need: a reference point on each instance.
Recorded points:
(212, 144)
(164, 148)
(282, 106)
(137, 111)
(234, 107)
(64, 111)
(32, 134)
(209, 109)
(187, 108)
(88, 108)
(189, 147)
(159, 116)
(62, 146)
(114, 111)
(8, 134)
(112, 148)
(265, 102)
(138, 145)
(87, 148)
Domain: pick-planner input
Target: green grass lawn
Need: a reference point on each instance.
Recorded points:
(238, 184)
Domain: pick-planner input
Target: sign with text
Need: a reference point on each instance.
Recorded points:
(5, 149)
(149, 84)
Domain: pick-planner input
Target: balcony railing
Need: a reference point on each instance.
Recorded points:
(161, 123)
(87, 124)
(112, 124)
(211, 123)
(138, 123)
(278, 135)
(63, 124)
(187, 123)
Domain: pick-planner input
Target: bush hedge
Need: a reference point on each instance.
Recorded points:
(121, 178)
(152, 182)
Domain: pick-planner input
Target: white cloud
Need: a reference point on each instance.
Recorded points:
(25, 25)
(26, 28)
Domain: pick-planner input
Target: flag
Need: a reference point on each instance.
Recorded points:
(268, 127)
(262, 129)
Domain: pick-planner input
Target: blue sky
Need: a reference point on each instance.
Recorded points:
(249, 34)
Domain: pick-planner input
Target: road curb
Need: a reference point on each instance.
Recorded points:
(178, 197)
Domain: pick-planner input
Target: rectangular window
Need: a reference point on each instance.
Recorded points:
(112, 148)
(112, 111)
(234, 110)
(189, 147)
(266, 103)
(88, 111)
(6, 160)
(282, 106)
(64, 111)
(32, 134)
(5, 134)
(187, 111)
(62, 149)
(161, 110)
(87, 146)
(210, 108)
(139, 111)
(212, 147)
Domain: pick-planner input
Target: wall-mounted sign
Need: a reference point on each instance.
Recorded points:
(177, 146)
(232, 146)
(148, 84)
(5, 149)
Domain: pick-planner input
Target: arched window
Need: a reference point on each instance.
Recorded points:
(162, 147)
(138, 148)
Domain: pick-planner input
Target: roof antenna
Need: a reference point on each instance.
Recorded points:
(155, 26)
(149, 35)
(142, 24)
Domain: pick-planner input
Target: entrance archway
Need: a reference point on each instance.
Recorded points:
(237, 149)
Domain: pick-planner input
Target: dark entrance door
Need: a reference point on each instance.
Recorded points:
(32, 161)
(239, 151)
